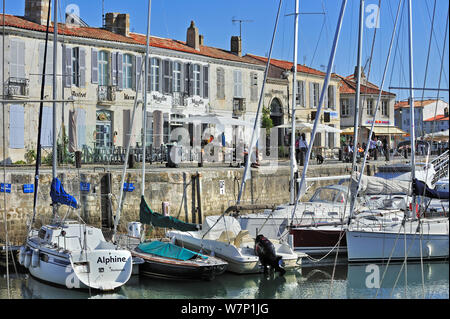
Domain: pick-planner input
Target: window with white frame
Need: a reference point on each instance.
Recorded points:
(154, 73)
(196, 73)
(103, 68)
(75, 66)
(370, 107)
(127, 71)
(176, 77)
(316, 94)
(385, 108)
(345, 107)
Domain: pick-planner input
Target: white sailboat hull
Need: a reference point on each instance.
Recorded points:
(376, 244)
(240, 260)
(101, 269)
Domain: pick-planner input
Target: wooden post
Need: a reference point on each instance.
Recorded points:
(199, 198)
(193, 199)
(186, 213)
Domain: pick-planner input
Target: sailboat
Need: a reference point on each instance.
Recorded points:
(163, 259)
(412, 238)
(69, 252)
(223, 236)
(328, 203)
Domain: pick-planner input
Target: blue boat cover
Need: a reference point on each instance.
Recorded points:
(420, 188)
(168, 250)
(59, 195)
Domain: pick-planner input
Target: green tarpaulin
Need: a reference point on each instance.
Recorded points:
(168, 250)
(147, 216)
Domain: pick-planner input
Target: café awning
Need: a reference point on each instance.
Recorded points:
(377, 130)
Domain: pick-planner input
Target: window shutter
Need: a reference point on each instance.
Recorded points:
(81, 128)
(46, 129)
(48, 67)
(82, 66)
(206, 81)
(333, 97)
(21, 59)
(138, 71)
(303, 93)
(326, 98)
(119, 58)
(311, 95)
(16, 127)
(220, 83)
(94, 66)
(67, 66)
(161, 78)
(182, 71)
(189, 79)
(167, 76)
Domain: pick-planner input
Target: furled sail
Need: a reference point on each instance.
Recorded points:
(147, 216)
(59, 195)
(376, 185)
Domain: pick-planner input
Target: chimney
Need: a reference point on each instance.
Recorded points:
(200, 39)
(192, 37)
(236, 45)
(37, 11)
(118, 23)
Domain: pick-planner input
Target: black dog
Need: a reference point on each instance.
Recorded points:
(319, 159)
(265, 250)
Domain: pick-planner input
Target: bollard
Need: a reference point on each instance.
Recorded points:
(78, 159)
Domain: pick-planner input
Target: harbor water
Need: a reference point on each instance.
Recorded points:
(343, 281)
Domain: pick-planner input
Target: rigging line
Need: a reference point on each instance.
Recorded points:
(439, 83)
(428, 59)
(436, 43)
(4, 157)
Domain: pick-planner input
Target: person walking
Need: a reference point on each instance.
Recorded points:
(303, 149)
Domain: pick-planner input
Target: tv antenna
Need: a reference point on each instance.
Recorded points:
(240, 24)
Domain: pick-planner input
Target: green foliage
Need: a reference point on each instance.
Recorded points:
(266, 121)
(30, 156)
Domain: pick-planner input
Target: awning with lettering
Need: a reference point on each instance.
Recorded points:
(377, 130)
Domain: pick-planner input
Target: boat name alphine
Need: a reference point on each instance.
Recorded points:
(107, 260)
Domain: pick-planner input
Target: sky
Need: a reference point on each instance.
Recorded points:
(317, 26)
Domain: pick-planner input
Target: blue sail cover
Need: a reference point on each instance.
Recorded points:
(59, 195)
(168, 250)
(421, 189)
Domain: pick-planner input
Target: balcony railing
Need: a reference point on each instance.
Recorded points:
(106, 94)
(17, 87)
(239, 106)
(178, 100)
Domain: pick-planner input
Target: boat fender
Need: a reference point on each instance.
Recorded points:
(22, 252)
(35, 258)
(27, 259)
(265, 251)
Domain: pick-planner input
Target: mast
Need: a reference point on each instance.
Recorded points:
(294, 97)
(38, 153)
(255, 126)
(319, 107)
(358, 85)
(353, 197)
(411, 103)
(144, 107)
(55, 136)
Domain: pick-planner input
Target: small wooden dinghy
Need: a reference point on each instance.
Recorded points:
(166, 260)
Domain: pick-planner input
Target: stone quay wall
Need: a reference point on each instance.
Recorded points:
(219, 190)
